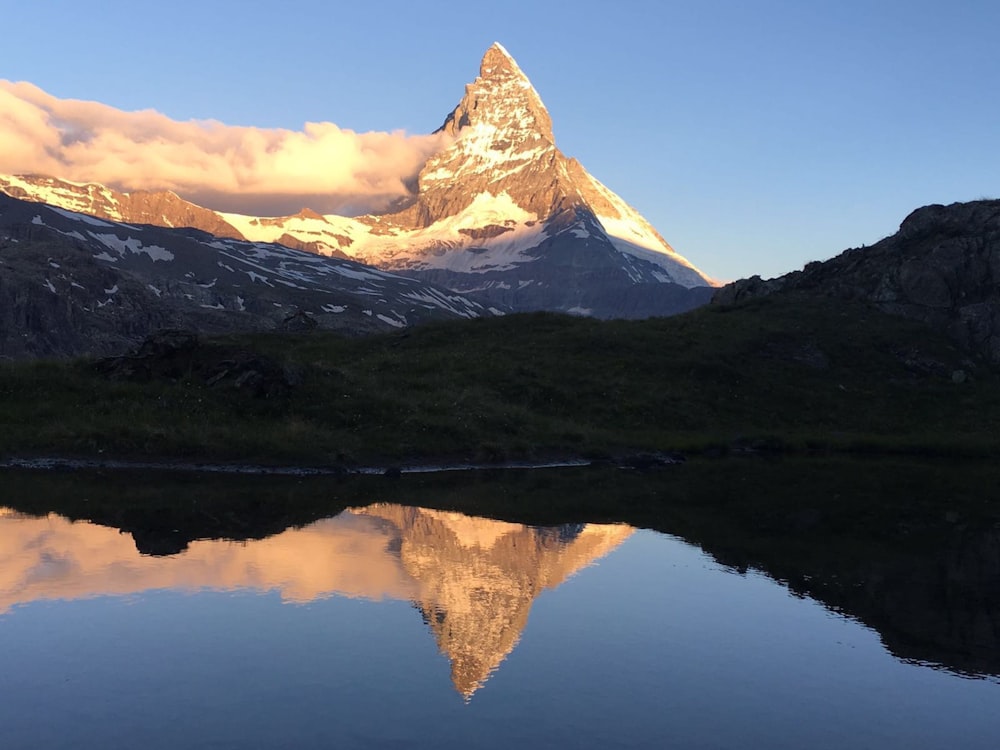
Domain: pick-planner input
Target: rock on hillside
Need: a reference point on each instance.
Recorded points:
(942, 267)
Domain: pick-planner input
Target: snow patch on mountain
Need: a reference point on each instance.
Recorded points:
(492, 231)
(495, 226)
(132, 245)
(82, 218)
(476, 153)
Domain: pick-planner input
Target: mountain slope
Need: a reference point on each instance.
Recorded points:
(75, 284)
(942, 267)
(500, 213)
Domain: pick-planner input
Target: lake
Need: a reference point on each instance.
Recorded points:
(123, 623)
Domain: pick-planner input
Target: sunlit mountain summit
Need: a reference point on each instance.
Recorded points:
(498, 213)
(474, 580)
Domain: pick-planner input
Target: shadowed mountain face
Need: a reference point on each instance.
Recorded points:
(473, 579)
(499, 213)
(73, 284)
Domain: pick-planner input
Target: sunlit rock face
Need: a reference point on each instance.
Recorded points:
(504, 152)
(163, 208)
(473, 579)
(503, 143)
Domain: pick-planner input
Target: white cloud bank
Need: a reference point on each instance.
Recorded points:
(251, 170)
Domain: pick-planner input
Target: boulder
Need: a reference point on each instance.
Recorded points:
(177, 355)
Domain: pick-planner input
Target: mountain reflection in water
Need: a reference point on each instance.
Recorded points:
(473, 579)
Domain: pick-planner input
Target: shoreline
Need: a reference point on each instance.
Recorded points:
(637, 461)
(87, 464)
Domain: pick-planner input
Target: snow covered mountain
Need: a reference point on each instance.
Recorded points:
(500, 213)
(75, 284)
(503, 188)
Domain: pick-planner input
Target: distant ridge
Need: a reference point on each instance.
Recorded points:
(74, 284)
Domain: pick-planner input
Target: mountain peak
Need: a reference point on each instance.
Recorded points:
(498, 60)
(502, 199)
(502, 100)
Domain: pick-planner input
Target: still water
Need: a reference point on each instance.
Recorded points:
(389, 626)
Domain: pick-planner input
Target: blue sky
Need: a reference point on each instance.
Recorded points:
(756, 136)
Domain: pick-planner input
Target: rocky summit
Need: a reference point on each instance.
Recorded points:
(503, 213)
(500, 214)
(942, 267)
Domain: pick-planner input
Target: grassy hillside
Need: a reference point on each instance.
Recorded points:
(783, 372)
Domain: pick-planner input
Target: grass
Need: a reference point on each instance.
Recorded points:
(781, 373)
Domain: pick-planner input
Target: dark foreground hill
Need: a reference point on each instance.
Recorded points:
(786, 372)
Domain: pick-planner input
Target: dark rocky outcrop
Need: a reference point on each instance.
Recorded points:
(298, 321)
(942, 267)
(177, 355)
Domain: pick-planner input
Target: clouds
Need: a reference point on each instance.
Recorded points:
(252, 170)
